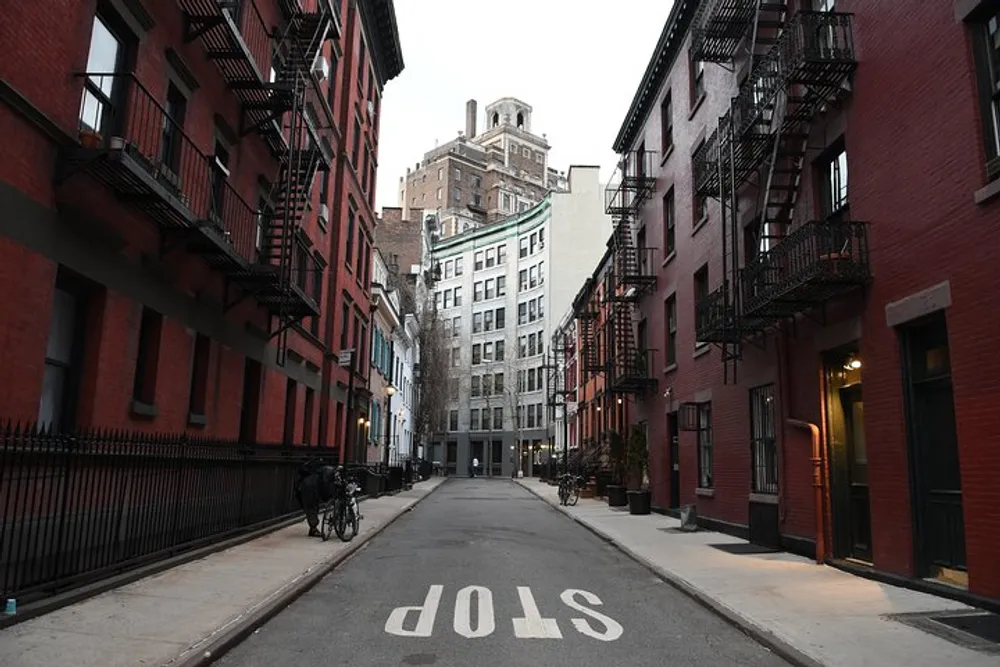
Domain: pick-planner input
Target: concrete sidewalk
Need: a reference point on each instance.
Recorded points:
(186, 615)
(813, 615)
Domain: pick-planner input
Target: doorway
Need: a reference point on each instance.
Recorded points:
(675, 461)
(249, 408)
(936, 480)
(848, 452)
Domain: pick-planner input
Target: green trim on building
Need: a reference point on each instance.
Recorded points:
(531, 219)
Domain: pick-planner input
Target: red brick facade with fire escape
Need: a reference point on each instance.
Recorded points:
(175, 206)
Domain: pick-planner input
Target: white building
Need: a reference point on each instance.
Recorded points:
(499, 284)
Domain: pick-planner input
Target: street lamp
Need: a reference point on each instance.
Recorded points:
(389, 392)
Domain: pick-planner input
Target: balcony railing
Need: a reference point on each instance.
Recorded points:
(632, 371)
(706, 167)
(719, 27)
(632, 183)
(815, 49)
(816, 262)
(715, 317)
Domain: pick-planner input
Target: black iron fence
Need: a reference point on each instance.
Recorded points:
(79, 507)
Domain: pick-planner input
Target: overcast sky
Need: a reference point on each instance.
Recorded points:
(577, 64)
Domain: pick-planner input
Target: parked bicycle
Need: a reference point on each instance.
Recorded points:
(342, 513)
(569, 489)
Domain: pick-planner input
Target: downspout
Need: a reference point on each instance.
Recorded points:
(817, 461)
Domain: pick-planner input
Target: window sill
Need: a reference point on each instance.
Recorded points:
(197, 420)
(701, 350)
(764, 498)
(666, 154)
(698, 225)
(697, 105)
(670, 368)
(986, 194)
(669, 258)
(143, 410)
(704, 493)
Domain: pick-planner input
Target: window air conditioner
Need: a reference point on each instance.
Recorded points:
(321, 67)
(324, 214)
(371, 109)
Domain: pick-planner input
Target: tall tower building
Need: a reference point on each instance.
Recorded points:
(478, 179)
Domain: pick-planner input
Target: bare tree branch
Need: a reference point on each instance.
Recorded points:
(433, 382)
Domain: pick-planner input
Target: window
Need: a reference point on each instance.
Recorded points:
(356, 145)
(173, 125)
(697, 69)
(522, 313)
(449, 269)
(458, 296)
(670, 315)
(498, 383)
(491, 259)
(447, 298)
(666, 124)
(669, 238)
(498, 418)
(147, 357)
(456, 326)
(440, 175)
(522, 247)
(457, 174)
(501, 254)
(763, 450)
(488, 352)
(439, 194)
(345, 321)
(705, 445)
(477, 261)
(453, 420)
(361, 249)
(486, 420)
(199, 375)
(477, 291)
(477, 323)
(700, 204)
(835, 185)
(522, 280)
(499, 350)
(58, 389)
(987, 43)
(475, 385)
(107, 54)
(474, 418)
(477, 354)
(456, 194)
(500, 321)
(700, 293)
(456, 356)
(349, 252)
(491, 288)
(501, 286)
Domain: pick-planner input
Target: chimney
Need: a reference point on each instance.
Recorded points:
(470, 119)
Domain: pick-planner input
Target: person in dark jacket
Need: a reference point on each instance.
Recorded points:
(314, 487)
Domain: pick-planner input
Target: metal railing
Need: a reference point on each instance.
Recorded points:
(706, 166)
(813, 263)
(78, 507)
(763, 444)
(123, 117)
(718, 27)
(227, 26)
(631, 366)
(714, 314)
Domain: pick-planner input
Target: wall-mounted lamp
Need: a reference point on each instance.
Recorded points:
(390, 391)
(368, 423)
(853, 363)
(619, 401)
(361, 421)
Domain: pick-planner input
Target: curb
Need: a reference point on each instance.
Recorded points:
(212, 649)
(763, 636)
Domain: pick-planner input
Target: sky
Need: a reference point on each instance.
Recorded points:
(577, 64)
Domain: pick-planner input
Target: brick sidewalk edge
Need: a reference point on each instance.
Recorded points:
(744, 623)
(215, 646)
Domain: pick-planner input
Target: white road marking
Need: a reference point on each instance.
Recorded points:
(485, 623)
(425, 621)
(532, 625)
(612, 629)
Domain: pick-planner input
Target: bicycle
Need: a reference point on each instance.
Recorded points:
(569, 489)
(341, 512)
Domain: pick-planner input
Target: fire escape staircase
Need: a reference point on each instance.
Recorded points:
(630, 276)
(798, 68)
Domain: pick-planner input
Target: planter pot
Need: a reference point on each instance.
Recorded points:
(617, 497)
(90, 139)
(640, 502)
(588, 490)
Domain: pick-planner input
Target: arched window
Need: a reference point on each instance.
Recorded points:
(496, 119)
(520, 120)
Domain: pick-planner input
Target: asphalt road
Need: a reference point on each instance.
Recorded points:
(545, 592)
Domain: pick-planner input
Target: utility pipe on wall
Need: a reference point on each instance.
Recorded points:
(817, 461)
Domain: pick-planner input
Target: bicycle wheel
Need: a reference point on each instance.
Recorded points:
(574, 495)
(349, 521)
(326, 522)
(355, 518)
(340, 518)
(562, 493)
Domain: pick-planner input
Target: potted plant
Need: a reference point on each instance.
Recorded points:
(90, 138)
(637, 464)
(617, 459)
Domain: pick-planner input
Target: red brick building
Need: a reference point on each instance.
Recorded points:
(819, 193)
(182, 182)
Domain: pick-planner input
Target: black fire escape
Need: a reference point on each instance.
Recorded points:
(629, 277)
(587, 315)
(134, 141)
(798, 67)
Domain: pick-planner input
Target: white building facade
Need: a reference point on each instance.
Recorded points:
(497, 291)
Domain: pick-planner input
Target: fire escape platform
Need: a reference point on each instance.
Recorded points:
(720, 26)
(817, 262)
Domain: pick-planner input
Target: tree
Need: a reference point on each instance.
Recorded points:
(433, 381)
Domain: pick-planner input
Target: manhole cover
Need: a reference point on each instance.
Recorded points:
(744, 549)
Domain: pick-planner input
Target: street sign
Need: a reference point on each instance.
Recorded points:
(346, 358)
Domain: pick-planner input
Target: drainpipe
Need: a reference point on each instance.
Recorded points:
(817, 461)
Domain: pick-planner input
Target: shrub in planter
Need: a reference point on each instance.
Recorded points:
(617, 458)
(637, 465)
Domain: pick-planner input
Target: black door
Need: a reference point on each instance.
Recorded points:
(856, 468)
(675, 463)
(933, 442)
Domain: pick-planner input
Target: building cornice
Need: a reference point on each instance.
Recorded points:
(378, 19)
(667, 48)
(534, 216)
